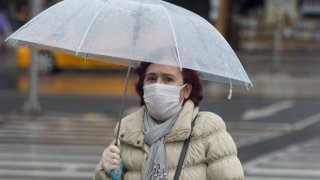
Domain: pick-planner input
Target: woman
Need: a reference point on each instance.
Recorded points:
(152, 137)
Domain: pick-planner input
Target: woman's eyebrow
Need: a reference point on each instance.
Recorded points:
(168, 75)
(151, 74)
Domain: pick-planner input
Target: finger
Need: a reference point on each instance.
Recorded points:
(110, 161)
(114, 149)
(110, 166)
(105, 152)
(115, 162)
(114, 156)
(105, 165)
(106, 159)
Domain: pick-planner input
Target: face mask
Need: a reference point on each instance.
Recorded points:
(162, 100)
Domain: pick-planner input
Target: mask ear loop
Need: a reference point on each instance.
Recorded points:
(183, 86)
(230, 92)
(181, 103)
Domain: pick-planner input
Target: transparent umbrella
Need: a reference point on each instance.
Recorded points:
(118, 31)
(130, 31)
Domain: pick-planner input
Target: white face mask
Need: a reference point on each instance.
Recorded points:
(162, 100)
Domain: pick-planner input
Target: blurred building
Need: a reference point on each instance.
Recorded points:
(251, 25)
(18, 12)
(255, 23)
(215, 11)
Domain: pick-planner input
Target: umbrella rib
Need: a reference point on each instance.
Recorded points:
(174, 34)
(89, 27)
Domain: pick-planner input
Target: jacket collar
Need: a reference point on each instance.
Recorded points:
(131, 131)
(182, 127)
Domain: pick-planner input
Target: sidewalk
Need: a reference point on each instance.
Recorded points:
(297, 77)
(275, 86)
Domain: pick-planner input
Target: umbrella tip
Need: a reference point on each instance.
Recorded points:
(230, 92)
(12, 42)
(6, 40)
(230, 95)
(247, 86)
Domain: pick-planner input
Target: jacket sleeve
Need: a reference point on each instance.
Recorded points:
(221, 151)
(99, 173)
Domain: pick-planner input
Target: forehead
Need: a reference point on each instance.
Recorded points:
(163, 69)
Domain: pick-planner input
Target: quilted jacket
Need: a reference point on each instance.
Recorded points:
(212, 153)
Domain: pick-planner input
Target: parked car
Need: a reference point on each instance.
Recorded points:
(50, 61)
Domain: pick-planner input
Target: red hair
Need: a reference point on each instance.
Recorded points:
(189, 76)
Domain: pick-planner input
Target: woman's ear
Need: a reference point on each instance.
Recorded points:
(187, 91)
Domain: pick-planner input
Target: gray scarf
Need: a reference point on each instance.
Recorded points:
(156, 165)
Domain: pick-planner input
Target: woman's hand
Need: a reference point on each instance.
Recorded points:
(111, 158)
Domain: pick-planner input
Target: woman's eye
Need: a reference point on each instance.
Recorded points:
(168, 79)
(151, 78)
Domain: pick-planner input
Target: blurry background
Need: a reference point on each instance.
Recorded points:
(56, 124)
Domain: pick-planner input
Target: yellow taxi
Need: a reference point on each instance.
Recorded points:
(50, 61)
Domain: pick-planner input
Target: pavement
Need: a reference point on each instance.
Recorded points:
(296, 162)
(51, 148)
(297, 76)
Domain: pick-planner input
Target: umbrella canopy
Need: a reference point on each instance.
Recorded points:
(118, 31)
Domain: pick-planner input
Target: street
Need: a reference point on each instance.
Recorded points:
(52, 148)
(299, 161)
(276, 138)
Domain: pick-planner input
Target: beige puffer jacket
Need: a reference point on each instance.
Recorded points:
(212, 153)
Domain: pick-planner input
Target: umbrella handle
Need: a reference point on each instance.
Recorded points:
(114, 176)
